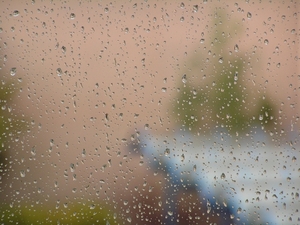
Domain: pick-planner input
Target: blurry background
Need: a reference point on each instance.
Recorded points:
(78, 78)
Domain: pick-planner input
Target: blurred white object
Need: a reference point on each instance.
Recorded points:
(250, 177)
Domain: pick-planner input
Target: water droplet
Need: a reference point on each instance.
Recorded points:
(182, 5)
(146, 127)
(170, 213)
(106, 10)
(223, 176)
(16, 13)
(72, 16)
(249, 15)
(182, 157)
(33, 151)
(195, 168)
(22, 173)
(59, 72)
(236, 48)
(167, 152)
(83, 154)
(266, 41)
(13, 71)
(164, 89)
(236, 76)
(221, 60)
(72, 167)
(102, 181)
(202, 40)
(51, 142)
(261, 117)
(184, 80)
(126, 30)
(64, 49)
(181, 19)
(195, 8)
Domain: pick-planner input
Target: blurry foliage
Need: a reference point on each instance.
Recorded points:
(213, 93)
(11, 125)
(77, 214)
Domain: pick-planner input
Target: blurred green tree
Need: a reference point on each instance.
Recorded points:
(214, 93)
(11, 124)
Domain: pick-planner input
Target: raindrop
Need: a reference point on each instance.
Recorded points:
(106, 10)
(72, 16)
(83, 154)
(13, 71)
(182, 5)
(64, 49)
(249, 15)
(195, 8)
(22, 173)
(221, 60)
(266, 41)
(182, 157)
(167, 152)
(236, 48)
(170, 213)
(164, 89)
(16, 13)
(181, 19)
(33, 151)
(195, 168)
(223, 176)
(184, 80)
(72, 167)
(236, 76)
(59, 72)
(261, 117)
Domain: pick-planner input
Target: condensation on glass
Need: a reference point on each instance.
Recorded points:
(149, 112)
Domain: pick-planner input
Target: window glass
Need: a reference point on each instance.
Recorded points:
(149, 112)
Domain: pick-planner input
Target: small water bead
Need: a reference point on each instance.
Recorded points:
(22, 173)
(195, 8)
(72, 16)
(16, 13)
(236, 48)
(183, 79)
(266, 41)
(164, 89)
(13, 71)
(59, 72)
